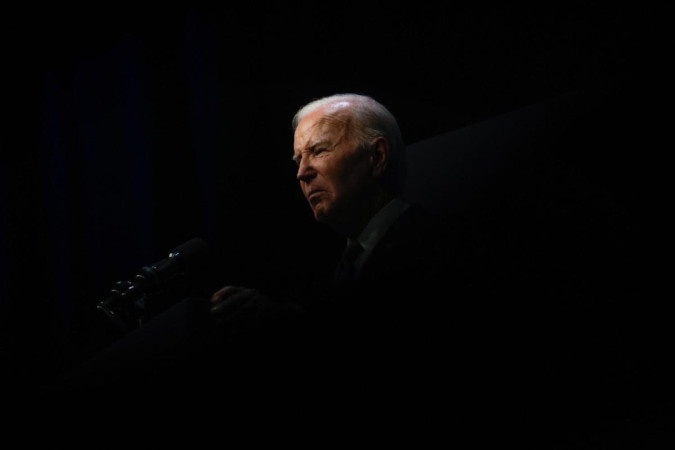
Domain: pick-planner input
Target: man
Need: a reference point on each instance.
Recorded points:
(378, 335)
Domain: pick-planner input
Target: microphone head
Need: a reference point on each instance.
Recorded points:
(191, 251)
(186, 257)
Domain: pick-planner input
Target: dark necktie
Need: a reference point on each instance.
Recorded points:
(345, 271)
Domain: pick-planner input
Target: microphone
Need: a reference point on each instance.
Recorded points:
(133, 302)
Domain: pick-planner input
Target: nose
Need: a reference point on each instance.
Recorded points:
(305, 170)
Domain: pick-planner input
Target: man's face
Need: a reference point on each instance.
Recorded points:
(334, 174)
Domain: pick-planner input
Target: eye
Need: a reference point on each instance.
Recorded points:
(313, 152)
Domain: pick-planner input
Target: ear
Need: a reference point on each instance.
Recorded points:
(379, 156)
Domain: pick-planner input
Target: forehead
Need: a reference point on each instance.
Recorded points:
(320, 125)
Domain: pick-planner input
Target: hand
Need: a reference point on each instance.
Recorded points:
(243, 310)
(230, 298)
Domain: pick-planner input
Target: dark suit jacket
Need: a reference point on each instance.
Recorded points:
(398, 341)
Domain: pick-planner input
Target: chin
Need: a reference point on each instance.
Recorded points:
(320, 215)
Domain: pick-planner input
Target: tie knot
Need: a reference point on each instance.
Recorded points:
(352, 251)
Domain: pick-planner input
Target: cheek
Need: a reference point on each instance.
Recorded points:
(352, 179)
(344, 176)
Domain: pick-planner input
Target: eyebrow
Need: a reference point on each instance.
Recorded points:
(311, 148)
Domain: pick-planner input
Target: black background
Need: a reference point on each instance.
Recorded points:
(129, 130)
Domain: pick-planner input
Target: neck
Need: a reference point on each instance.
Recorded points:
(353, 226)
